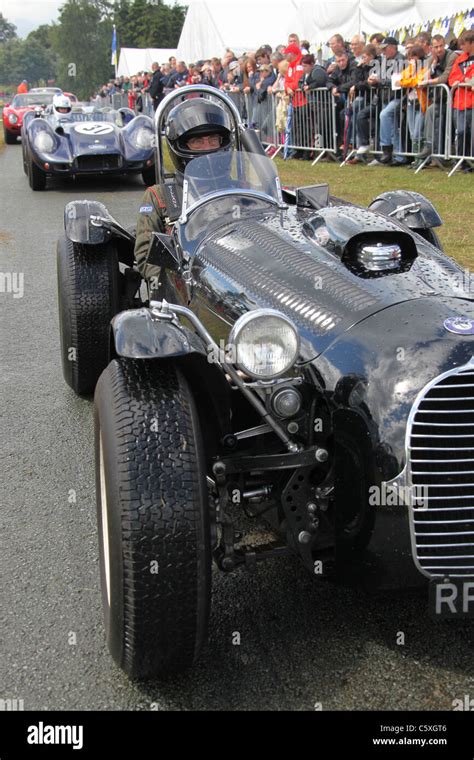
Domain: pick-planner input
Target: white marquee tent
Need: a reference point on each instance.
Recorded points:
(211, 27)
(133, 60)
(241, 25)
(318, 21)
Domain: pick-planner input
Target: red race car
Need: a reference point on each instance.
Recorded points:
(22, 103)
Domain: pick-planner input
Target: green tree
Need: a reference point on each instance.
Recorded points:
(142, 24)
(82, 41)
(22, 59)
(165, 26)
(7, 29)
(11, 70)
(123, 22)
(39, 63)
(43, 35)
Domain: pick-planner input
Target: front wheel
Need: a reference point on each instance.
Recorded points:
(88, 298)
(153, 518)
(8, 137)
(149, 176)
(23, 152)
(36, 177)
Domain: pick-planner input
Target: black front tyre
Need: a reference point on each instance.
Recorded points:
(149, 176)
(8, 137)
(36, 177)
(355, 522)
(153, 519)
(25, 165)
(88, 298)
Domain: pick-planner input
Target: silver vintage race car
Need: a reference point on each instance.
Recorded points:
(87, 141)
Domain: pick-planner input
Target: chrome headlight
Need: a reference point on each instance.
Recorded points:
(44, 142)
(264, 343)
(12, 118)
(143, 138)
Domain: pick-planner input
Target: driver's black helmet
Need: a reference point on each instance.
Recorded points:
(192, 118)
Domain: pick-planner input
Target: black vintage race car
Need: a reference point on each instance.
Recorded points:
(86, 142)
(299, 361)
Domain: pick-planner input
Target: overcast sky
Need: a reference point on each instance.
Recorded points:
(29, 14)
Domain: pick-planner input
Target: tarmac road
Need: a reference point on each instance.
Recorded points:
(302, 644)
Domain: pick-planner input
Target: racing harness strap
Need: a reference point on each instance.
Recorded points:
(173, 194)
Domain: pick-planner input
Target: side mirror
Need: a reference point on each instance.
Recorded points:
(162, 252)
(313, 196)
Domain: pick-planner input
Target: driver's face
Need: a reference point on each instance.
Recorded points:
(204, 142)
(62, 110)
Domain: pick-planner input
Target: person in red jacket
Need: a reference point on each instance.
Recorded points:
(23, 87)
(294, 89)
(463, 97)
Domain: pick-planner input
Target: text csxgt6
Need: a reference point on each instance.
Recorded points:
(299, 361)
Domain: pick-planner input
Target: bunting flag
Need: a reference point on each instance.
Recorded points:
(458, 27)
(114, 60)
(445, 25)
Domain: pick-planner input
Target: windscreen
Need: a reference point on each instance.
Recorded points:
(33, 99)
(211, 175)
(89, 115)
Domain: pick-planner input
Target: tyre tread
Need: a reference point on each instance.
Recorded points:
(163, 513)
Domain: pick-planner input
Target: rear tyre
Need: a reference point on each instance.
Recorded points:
(88, 298)
(431, 236)
(8, 137)
(153, 519)
(36, 177)
(149, 176)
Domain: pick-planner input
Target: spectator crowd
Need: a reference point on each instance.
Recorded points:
(383, 96)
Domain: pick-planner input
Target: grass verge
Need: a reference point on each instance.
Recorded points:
(360, 184)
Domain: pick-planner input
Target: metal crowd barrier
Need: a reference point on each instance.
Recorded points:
(437, 125)
(402, 121)
(313, 126)
(116, 101)
(324, 125)
(462, 128)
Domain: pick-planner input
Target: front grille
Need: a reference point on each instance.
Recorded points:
(99, 163)
(441, 465)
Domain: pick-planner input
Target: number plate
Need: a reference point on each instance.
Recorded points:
(452, 598)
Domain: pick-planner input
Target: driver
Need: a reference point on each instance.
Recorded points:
(60, 107)
(61, 104)
(194, 127)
